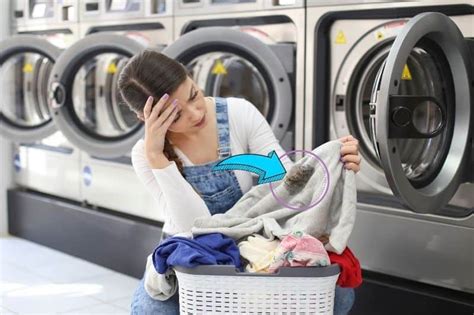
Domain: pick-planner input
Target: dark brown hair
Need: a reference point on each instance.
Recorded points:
(151, 73)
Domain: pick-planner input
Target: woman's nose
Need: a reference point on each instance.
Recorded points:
(195, 113)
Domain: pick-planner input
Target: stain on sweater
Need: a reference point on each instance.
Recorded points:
(297, 178)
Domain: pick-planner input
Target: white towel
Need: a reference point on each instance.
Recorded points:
(159, 286)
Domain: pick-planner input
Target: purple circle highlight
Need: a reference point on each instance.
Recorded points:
(283, 203)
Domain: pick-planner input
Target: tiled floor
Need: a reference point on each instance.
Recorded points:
(35, 279)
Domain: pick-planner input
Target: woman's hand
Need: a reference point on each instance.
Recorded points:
(156, 126)
(350, 153)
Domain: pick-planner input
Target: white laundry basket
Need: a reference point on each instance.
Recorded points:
(222, 289)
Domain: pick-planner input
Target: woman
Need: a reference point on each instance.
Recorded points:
(186, 134)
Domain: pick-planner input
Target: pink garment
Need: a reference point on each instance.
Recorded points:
(299, 249)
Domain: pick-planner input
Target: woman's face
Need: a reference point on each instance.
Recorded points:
(191, 108)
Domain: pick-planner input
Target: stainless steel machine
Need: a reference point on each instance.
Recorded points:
(45, 160)
(402, 89)
(87, 104)
(270, 76)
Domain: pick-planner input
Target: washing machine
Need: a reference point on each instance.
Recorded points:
(269, 74)
(87, 104)
(402, 87)
(44, 160)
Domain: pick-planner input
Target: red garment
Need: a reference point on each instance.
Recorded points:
(351, 274)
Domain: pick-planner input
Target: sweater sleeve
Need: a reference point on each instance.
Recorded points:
(260, 137)
(177, 201)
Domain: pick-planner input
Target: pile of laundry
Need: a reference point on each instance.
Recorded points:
(259, 234)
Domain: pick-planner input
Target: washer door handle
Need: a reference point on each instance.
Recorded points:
(57, 95)
(403, 111)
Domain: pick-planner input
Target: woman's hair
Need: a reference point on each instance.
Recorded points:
(151, 73)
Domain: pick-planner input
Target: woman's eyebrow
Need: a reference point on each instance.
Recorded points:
(191, 93)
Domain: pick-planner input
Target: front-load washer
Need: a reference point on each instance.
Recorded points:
(91, 112)
(224, 69)
(44, 160)
(415, 201)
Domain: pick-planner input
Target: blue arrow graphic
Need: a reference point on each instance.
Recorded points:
(269, 168)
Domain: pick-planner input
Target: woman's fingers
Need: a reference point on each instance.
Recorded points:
(350, 145)
(166, 113)
(351, 142)
(350, 153)
(155, 112)
(352, 166)
(349, 149)
(351, 158)
(147, 108)
(170, 118)
(347, 138)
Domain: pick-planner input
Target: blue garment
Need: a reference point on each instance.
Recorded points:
(206, 249)
(220, 190)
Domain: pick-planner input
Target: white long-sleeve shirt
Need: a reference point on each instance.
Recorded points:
(177, 201)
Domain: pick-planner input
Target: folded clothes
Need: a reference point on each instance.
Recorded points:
(258, 251)
(351, 274)
(208, 249)
(258, 211)
(299, 250)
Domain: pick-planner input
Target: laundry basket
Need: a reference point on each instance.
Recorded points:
(222, 289)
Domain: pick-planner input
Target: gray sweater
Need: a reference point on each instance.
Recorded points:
(259, 212)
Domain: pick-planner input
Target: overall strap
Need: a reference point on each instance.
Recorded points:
(223, 127)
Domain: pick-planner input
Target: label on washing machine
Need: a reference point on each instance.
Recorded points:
(17, 162)
(27, 68)
(406, 75)
(379, 35)
(112, 68)
(87, 175)
(219, 68)
(389, 30)
(340, 37)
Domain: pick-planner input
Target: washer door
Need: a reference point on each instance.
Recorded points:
(420, 112)
(230, 63)
(85, 100)
(26, 62)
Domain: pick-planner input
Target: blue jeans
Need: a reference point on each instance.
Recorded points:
(143, 304)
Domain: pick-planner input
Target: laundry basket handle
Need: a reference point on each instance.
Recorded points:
(230, 270)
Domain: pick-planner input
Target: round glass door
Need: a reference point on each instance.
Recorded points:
(25, 66)
(231, 63)
(229, 75)
(97, 103)
(419, 111)
(86, 102)
(425, 73)
(22, 78)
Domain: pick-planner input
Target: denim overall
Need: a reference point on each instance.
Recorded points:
(220, 190)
